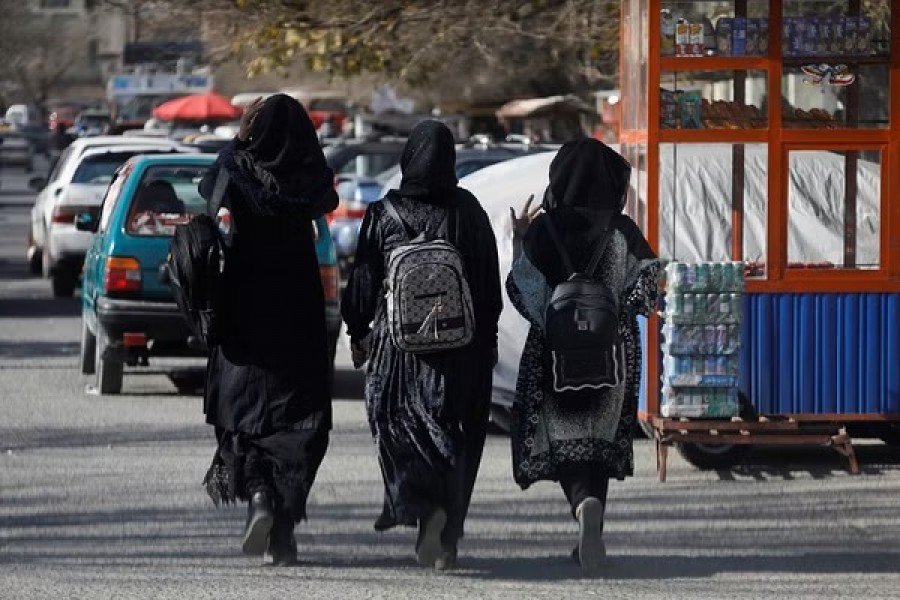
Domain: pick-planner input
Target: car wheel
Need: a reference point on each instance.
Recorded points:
(500, 419)
(87, 357)
(109, 372)
(45, 258)
(63, 284)
(710, 457)
(33, 256)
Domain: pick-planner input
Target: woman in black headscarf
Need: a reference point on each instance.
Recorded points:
(428, 412)
(585, 444)
(267, 388)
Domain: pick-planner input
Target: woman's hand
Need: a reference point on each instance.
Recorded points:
(521, 221)
(247, 119)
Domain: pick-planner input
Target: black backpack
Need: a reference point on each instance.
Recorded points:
(194, 266)
(583, 348)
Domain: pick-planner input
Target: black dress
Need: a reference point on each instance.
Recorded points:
(267, 390)
(427, 413)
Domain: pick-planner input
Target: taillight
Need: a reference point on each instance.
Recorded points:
(123, 274)
(330, 281)
(66, 214)
(349, 209)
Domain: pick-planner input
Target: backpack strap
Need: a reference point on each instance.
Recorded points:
(393, 214)
(445, 225)
(218, 195)
(602, 245)
(563, 253)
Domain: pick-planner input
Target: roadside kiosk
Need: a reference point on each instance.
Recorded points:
(767, 132)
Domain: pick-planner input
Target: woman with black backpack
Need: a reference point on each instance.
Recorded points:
(267, 388)
(577, 267)
(422, 305)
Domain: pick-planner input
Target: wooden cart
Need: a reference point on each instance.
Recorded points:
(810, 203)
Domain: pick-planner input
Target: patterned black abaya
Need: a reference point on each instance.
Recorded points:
(428, 413)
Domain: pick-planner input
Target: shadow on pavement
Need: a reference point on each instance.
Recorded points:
(26, 349)
(768, 462)
(39, 308)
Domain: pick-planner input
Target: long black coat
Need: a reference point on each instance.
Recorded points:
(271, 371)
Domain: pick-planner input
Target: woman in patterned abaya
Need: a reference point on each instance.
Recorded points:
(428, 412)
(582, 445)
(267, 386)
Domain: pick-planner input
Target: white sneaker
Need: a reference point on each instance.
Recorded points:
(591, 548)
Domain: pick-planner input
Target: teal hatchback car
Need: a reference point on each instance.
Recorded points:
(128, 313)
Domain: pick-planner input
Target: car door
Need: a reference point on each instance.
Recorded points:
(92, 281)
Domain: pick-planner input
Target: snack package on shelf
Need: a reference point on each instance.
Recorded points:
(701, 339)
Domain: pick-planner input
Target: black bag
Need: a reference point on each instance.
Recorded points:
(194, 266)
(583, 348)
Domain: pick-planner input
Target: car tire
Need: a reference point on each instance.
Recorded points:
(711, 457)
(87, 357)
(63, 284)
(34, 257)
(109, 372)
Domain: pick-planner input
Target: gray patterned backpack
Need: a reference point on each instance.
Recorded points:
(429, 305)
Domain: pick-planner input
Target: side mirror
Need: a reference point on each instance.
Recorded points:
(86, 222)
(37, 183)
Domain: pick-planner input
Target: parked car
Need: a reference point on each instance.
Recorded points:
(128, 314)
(15, 149)
(26, 120)
(76, 184)
(91, 122)
(356, 165)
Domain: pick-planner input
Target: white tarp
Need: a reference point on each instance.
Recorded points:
(695, 215)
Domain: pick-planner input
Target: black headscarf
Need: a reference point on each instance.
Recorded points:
(284, 151)
(428, 162)
(587, 193)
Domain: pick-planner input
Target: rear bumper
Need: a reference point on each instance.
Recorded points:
(67, 242)
(161, 322)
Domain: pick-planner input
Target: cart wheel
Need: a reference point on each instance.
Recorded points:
(712, 456)
(646, 428)
(890, 435)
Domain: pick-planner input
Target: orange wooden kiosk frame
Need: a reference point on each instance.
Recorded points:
(641, 70)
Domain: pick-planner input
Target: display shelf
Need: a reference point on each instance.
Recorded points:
(714, 63)
(798, 61)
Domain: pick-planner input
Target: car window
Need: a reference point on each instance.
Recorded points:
(370, 165)
(471, 166)
(112, 195)
(60, 163)
(100, 168)
(166, 197)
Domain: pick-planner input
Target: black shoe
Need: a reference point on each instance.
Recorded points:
(259, 523)
(428, 545)
(282, 547)
(447, 560)
(591, 548)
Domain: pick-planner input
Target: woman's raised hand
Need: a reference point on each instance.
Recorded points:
(521, 221)
(247, 119)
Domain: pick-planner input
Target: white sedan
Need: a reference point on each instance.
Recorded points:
(76, 184)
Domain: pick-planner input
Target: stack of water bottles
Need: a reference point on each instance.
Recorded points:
(701, 339)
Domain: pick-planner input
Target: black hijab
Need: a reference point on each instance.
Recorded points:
(428, 163)
(587, 193)
(284, 151)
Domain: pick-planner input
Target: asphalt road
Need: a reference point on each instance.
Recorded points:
(100, 497)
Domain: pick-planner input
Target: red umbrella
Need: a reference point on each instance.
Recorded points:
(198, 107)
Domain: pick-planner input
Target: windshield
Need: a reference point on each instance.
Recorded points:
(166, 197)
(99, 169)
